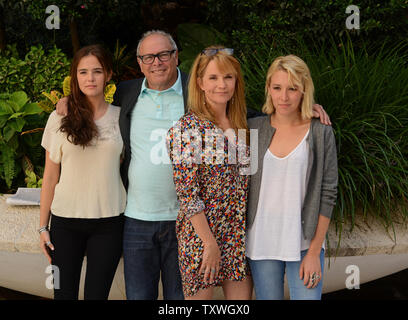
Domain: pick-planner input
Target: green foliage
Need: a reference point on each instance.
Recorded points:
(38, 72)
(193, 38)
(48, 104)
(10, 51)
(71, 8)
(366, 96)
(32, 180)
(124, 63)
(283, 22)
(17, 114)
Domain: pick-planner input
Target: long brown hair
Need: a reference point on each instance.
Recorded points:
(78, 124)
(236, 108)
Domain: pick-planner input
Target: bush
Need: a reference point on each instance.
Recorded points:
(38, 72)
(253, 21)
(21, 124)
(366, 96)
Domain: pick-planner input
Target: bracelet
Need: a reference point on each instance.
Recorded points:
(42, 229)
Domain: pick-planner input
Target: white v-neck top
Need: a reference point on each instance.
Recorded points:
(277, 231)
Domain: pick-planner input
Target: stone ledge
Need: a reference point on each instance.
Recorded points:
(368, 237)
(18, 233)
(18, 227)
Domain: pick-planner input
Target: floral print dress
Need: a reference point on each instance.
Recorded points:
(207, 179)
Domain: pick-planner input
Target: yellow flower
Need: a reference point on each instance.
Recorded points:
(110, 89)
(66, 86)
(109, 92)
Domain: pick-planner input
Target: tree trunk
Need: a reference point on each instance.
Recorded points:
(2, 31)
(74, 35)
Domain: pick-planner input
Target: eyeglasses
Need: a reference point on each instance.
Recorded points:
(213, 51)
(162, 56)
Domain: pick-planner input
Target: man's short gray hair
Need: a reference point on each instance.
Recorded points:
(164, 34)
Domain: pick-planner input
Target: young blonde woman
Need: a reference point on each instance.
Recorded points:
(293, 193)
(82, 192)
(211, 188)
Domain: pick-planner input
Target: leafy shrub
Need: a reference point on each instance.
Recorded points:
(283, 22)
(38, 72)
(20, 150)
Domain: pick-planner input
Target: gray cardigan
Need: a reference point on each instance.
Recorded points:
(321, 174)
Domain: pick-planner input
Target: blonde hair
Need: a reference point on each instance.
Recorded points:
(236, 108)
(299, 75)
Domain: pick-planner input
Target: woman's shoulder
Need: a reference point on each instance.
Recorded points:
(320, 130)
(191, 121)
(54, 119)
(317, 125)
(113, 107)
(257, 122)
(115, 110)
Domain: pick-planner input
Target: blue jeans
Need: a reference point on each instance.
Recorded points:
(150, 248)
(268, 277)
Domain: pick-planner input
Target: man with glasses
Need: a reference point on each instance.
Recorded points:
(148, 106)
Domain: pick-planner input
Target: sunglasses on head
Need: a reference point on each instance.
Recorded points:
(214, 51)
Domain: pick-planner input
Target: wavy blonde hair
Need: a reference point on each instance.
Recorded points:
(299, 75)
(236, 108)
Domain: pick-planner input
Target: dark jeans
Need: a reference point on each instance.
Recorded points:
(100, 240)
(150, 248)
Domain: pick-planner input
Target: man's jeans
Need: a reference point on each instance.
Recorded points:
(268, 276)
(150, 247)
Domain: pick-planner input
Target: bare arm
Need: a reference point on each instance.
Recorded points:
(50, 180)
(212, 254)
(321, 230)
(311, 262)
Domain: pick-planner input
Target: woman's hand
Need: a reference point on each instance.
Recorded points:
(311, 262)
(46, 244)
(310, 265)
(210, 264)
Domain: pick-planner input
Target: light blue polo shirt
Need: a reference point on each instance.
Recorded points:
(151, 192)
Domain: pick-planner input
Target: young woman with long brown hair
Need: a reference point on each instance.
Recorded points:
(82, 190)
